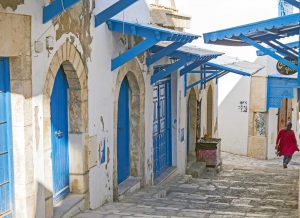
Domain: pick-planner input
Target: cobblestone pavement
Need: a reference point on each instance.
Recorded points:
(245, 188)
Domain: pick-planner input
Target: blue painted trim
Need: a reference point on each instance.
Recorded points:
(293, 3)
(185, 84)
(288, 47)
(164, 52)
(269, 52)
(113, 10)
(149, 31)
(56, 8)
(167, 71)
(132, 53)
(252, 28)
(9, 132)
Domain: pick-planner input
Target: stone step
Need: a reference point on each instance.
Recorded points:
(129, 186)
(166, 177)
(70, 206)
(196, 169)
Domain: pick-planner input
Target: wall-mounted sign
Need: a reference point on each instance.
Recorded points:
(285, 70)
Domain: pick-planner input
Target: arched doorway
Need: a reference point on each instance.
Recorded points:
(129, 97)
(192, 123)
(59, 137)
(209, 112)
(68, 68)
(123, 132)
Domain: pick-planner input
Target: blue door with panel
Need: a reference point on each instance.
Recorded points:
(123, 138)
(59, 137)
(162, 144)
(6, 166)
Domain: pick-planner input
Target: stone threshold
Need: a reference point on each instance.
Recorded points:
(165, 176)
(130, 185)
(69, 206)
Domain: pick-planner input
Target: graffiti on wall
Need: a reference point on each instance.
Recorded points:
(243, 106)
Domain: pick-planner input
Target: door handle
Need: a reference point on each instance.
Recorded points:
(59, 133)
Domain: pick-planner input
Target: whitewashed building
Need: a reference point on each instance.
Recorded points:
(80, 122)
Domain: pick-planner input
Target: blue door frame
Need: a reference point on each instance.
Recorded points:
(6, 152)
(162, 134)
(59, 137)
(123, 133)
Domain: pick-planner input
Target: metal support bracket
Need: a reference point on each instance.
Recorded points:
(113, 10)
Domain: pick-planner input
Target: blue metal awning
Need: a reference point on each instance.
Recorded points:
(151, 35)
(271, 29)
(187, 57)
(268, 32)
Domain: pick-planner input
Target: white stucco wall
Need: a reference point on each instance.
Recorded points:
(233, 124)
(105, 45)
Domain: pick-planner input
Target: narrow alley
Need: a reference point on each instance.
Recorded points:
(246, 187)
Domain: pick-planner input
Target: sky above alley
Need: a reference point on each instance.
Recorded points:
(212, 15)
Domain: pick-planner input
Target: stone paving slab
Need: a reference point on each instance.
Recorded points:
(245, 188)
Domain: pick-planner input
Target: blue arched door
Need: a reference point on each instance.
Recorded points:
(123, 134)
(59, 137)
(6, 169)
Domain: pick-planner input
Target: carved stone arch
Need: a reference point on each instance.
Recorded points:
(135, 78)
(191, 125)
(69, 59)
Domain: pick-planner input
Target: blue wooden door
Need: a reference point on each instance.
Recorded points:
(162, 145)
(59, 137)
(6, 169)
(123, 139)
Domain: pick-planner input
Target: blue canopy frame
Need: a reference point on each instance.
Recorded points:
(294, 3)
(289, 47)
(113, 10)
(268, 32)
(210, 71)
(187, 60)
(55, 8)
(151, 35)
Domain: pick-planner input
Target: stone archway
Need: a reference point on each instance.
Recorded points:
(192, 122)
(134, 76)
(69, 58)
(209, 112)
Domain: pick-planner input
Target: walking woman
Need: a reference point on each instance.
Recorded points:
(286, 144)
